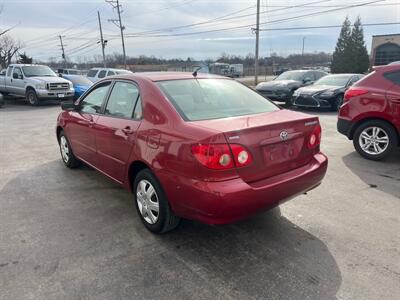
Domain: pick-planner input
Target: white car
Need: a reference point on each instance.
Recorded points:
(95, 74)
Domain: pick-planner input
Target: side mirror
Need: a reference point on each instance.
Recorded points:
(69, 106)
(307, 80)
(15, 76)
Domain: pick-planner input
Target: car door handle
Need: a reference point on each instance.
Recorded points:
(127, 130)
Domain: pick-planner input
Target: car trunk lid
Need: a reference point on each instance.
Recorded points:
(276, 140)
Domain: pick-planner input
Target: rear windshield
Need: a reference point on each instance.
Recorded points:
(204, 99)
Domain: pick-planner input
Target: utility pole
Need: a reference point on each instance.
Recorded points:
(302, 49)
(102, 41)
(63, 52)
(118, 23)
(257, 30)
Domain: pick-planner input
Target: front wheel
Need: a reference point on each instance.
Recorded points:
(67, 155)
(32, 97)
(152, 204)
(337, 103)
(375, 139)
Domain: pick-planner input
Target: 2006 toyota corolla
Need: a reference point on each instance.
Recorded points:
(199, 147)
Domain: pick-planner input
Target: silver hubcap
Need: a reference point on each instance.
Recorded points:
(374, 140)
(64, 149)
(147, 201)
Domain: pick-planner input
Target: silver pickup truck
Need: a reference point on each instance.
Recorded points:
(35, 82)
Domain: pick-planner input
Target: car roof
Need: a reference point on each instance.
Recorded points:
(163, 76)
(72, 76)
(386, 68)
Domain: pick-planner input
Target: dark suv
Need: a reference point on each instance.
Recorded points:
(370, 115)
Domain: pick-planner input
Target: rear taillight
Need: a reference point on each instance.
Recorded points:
(354, 92)
(314, 139)
(241, 156)
(220, 156)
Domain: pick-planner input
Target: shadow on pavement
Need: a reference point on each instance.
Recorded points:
(74, 233)
(388, 171)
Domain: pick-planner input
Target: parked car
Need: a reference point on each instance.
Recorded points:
(81, 84)
(282, 87)
(69, 71)
(370, 114)
(1, 100)
(35, 82)
(95, 74)
(327, 92)
(205, 148)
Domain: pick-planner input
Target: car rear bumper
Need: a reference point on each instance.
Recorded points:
(232, 200)
(344, 127)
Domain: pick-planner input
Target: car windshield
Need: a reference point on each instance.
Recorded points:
(291, 75)
(79, 80)
(203, 99)
(31, 71)
(334, 80)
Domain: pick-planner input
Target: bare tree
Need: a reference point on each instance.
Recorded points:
(8, 48)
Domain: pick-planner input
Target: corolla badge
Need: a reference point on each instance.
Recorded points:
(284, 135)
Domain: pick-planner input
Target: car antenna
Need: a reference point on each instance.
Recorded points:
(195, 72)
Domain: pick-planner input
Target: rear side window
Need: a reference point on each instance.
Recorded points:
(393, 77)
(102, 74)
(202, 99)
(94, 100)
(92, 73)
(122, 100)
(110, 73)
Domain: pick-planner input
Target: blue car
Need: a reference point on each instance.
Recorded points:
(81, 84)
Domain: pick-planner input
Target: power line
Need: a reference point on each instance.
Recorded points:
(326, 26)
(263, 23)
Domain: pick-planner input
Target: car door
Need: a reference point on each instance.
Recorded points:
(18, 84)
(8, 79)
(80, 126)
(393, 95)
(116, 129)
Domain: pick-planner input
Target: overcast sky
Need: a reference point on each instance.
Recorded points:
(38, 24)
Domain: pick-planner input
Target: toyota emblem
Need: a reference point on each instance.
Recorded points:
(284, 135)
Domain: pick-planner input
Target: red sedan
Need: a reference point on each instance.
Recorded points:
(200, 147)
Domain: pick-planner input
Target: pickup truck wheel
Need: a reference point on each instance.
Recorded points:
(375, 139)
(32, 97)
(152, 204)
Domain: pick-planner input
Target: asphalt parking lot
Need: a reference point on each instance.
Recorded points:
(75, 234)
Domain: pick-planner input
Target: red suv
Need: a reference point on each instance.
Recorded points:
(370, 114)
(195, 146)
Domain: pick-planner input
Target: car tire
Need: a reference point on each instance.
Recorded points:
(375, 139)
(67, 155)
(337, 103)
(32, 97)
(152, 204)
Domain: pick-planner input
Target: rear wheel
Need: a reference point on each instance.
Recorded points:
(32, 97)
(375, 139)
(152, 204)
(67, 155)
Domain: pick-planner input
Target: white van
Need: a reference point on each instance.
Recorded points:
(95, 74)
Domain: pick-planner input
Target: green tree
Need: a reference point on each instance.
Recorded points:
(360, 58)
(341, 58)
(24, 59)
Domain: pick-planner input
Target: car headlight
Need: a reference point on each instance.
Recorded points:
(327, 94)
(41, 86)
